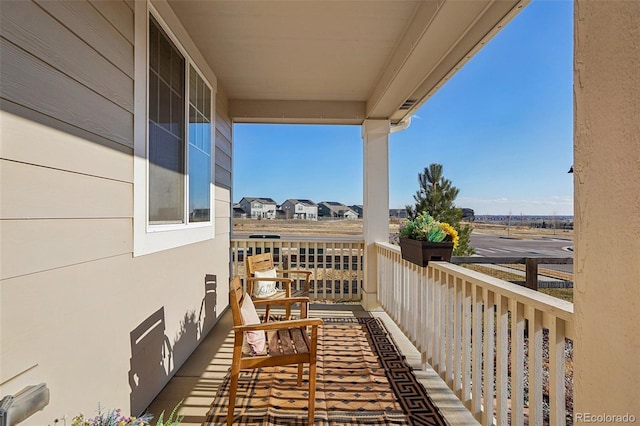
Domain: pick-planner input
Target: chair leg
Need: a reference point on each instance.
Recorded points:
(312, 390)
(300, 371)
(233, 388)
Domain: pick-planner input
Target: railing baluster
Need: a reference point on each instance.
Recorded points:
(323, 260)
(402, 291)
(466, 346)
(413, 308)
(431, 320)
(450, 321)
(422, 315)
(502, 360)
(436, 342)
(457, 364)
(517, 363)
(476, 356)
(488, 355)
(557, 392)
(442, 332)
(535, 366)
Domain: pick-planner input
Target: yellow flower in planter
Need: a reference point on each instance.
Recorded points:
(451, 233)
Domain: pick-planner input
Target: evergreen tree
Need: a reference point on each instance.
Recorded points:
(436, 196)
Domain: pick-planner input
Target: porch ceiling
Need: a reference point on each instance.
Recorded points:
(317, 61)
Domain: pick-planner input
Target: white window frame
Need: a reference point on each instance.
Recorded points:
(150, 238)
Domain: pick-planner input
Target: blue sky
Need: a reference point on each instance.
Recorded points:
(502, 128)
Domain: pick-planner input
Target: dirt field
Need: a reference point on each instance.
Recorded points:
(299, 227)
(354, 228)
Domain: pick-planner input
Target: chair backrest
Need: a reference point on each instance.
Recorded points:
(236, 298)
(259, 262)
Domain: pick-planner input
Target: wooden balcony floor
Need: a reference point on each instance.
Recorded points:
(198, 380)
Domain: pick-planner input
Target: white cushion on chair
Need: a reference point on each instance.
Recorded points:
(255, 340)
(265, 288)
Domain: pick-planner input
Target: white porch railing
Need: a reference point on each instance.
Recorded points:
(500, 347)
(337, 265)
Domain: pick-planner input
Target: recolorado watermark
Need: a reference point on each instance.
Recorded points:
(604, 418)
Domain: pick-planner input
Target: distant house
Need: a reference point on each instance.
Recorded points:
(238, 212)
(280, 214)
(468, 214)
(358, 209)
(259, 208)
(398, 213)
(300, 209)
(333, 209)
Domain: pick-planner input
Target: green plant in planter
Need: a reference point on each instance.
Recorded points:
(170, 421)
(116, 418)
(110, 418)
(426, 228)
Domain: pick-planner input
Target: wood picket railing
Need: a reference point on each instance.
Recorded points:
(336, 265)
(503, 349)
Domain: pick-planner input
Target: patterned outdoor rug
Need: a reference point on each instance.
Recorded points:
(362, 380)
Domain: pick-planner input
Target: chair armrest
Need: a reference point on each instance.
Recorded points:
(282, 301)
(293, 271)
(287, 302)
(286, 281)
(279, 325)
(277, 279)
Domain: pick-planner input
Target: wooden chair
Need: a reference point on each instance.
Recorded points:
(264, 262)
(288, 342)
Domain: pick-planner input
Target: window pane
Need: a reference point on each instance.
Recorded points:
(192, 87)
(207, 103)
(199, 150)
(153, 47)
(166, 132)
(177, 72)
(199, 187)
(177, 114)
(164, 57)
(153, 97)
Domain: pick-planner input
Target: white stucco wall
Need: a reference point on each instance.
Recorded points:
(607, 208)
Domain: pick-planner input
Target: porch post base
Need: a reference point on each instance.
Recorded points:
(369, 300)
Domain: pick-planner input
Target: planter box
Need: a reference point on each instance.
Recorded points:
(421, 252)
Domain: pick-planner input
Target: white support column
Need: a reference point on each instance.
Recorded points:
(375, 136)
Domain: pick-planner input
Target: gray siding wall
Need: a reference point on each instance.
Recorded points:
(223, 171)
(66, 60)
(74, 302)
(224, 138)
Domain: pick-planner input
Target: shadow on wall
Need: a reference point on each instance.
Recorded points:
(208, 306)
(151, 357)
(154, 359)
(186, 338)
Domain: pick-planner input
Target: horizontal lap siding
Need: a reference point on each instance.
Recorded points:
(83, 19)
(99, 197)
(84, 89)
(223, 138)
(30, 137)
(66, 179)
(67, 81)
(223, 142)
(35, 245)
(222, 201)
